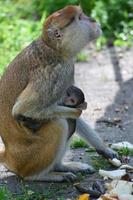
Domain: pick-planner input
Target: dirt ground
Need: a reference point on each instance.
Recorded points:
(107, 81)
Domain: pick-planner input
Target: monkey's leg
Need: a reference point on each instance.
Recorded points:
(92, 137)
(52, 177)
(74, 167)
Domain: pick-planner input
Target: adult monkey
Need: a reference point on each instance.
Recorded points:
(31, 88)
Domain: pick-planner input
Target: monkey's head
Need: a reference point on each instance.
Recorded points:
(69, 30)
(74, 98)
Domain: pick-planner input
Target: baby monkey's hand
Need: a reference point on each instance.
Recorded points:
(82, 106)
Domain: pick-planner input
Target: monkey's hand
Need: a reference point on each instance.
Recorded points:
(82, 106)
(108, 153)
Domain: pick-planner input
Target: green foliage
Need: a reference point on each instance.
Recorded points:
(4, 194)
(78, 143)
(28, 194)
(87, 6)
(17, 31)
(82, 57)
(52, 5)
(125, 151)
(98, 162)
(21, 22)
(116, 18)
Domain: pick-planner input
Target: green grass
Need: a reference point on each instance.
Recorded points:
(98, 162)
(78, 143)
(5, 194)
(82, 57)
(17, 30)
(28, 194)
(125, 152)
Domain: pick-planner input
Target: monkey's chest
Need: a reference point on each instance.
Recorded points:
(61, 78)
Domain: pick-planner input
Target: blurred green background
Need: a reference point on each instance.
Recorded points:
(21, 21)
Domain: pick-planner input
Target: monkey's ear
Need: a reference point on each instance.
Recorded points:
(55, 33)
(58, 34)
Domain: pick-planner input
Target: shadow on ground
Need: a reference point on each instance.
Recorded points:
(117, 120)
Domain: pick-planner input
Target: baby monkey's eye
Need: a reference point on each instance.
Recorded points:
(68, 94)
(73, 101)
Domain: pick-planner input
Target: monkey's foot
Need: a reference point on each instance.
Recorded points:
(74, 167)
(108, 153)
(53, 177)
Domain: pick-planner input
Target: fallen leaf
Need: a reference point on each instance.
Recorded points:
(114, 174)
(126, 197)
(107, 197)
(84, 197)
(121, 145)
(119, 187)
(128, 167)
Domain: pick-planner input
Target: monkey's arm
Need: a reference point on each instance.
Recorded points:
(92, 137)
(30, 104)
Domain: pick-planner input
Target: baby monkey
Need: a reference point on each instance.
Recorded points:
(73, 98)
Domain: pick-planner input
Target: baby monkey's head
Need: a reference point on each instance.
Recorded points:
(74, 98)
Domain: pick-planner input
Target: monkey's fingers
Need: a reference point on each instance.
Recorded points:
(82, 106)
(108, 153)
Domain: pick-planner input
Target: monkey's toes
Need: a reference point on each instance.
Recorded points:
(85, 168)
(69, 177)
(76, 167)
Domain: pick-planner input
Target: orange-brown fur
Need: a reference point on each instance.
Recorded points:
(62, 17)
(27, 155)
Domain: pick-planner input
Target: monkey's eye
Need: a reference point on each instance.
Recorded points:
(73, 101)
(80, 16)
(72, 19)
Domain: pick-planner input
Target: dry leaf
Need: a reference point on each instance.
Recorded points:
(115, 174)
(119, 187)
(119, 197)
(84, 197)
(107, 197)
(126, 197)
(126, 167)
(121, 145)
